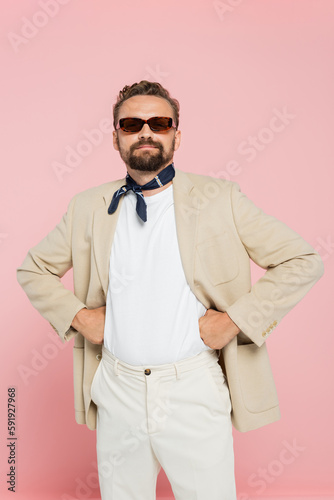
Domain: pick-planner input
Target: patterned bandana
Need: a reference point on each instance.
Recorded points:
(165, 176)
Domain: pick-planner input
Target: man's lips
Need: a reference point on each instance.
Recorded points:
(146, 147)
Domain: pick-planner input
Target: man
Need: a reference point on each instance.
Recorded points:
(169, 335)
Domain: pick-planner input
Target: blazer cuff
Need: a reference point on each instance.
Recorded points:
(258, 333)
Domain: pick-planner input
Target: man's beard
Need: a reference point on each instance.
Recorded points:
(150, 160)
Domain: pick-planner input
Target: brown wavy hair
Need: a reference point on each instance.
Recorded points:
(145, 88)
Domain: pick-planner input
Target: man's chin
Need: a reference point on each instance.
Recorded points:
(151, 165)
(146, 167)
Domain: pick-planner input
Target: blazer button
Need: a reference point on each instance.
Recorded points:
(147, 371)
(264, 334)
(99, 357)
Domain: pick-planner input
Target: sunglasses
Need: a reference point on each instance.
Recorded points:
(156, 124)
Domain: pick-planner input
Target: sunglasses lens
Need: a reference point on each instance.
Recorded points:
(160, 124)
(130, 124)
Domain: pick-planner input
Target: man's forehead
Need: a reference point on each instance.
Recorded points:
(145, 106)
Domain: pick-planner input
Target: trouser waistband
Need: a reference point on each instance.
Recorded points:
(206, 357)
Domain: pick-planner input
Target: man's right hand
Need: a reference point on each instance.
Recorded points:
(90, 323)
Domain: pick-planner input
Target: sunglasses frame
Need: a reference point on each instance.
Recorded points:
(143, 123)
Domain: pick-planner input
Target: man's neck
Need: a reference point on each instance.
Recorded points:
(151, 192)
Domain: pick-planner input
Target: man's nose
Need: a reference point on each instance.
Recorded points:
(145, 131)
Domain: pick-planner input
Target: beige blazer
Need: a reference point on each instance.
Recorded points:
(219, 230)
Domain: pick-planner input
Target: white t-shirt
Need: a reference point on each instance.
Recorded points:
(151, 313)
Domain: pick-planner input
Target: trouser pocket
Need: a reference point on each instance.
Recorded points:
(93, 391)
(218, 381)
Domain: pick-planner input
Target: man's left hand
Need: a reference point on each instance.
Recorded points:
(217, 329)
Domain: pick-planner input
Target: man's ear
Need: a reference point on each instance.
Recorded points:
(177, 139)
(114, 140)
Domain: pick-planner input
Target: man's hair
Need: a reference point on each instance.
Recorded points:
(145, 88)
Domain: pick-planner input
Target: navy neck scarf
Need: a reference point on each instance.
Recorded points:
(165, 176)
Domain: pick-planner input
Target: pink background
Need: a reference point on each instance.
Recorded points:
(231, 63)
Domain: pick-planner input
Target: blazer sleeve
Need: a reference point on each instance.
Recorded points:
(40, 273)
(292, 268)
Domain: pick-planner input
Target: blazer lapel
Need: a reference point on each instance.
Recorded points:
(104, 226)
(186, 220)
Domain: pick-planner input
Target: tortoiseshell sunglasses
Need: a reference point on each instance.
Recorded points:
(156, 124)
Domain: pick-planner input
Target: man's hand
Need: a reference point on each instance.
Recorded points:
(90, 323)
(217, 329)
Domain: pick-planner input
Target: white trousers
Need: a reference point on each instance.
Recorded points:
(175, 416)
